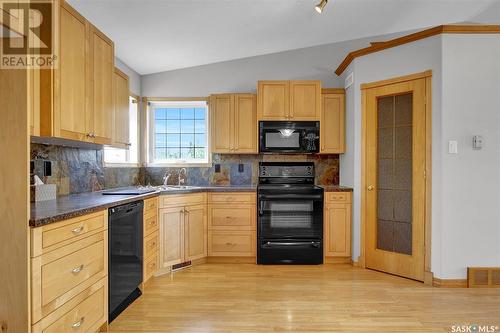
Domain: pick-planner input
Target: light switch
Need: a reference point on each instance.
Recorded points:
(477, 142)
(452, 147)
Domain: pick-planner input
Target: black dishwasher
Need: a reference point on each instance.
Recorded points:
(125, 256)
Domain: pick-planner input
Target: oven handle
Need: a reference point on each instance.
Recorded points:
(261, 207)
(271, 244)
(291, 196)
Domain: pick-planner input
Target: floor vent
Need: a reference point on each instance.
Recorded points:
(483, 277)
(181, 265)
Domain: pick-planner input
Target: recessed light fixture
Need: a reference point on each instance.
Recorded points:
(320, 6)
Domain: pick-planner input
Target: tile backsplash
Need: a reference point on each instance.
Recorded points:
(76, 170)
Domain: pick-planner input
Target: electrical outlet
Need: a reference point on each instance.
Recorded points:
(217, 168)
(241, 168)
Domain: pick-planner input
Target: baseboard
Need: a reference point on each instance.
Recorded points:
(449, 283)
(231, 260)
(337, 260)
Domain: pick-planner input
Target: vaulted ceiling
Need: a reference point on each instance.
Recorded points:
(160, 35)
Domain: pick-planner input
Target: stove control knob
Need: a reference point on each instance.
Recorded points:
(309, 173)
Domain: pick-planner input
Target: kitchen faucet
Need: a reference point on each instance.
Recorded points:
(166, 176)
(182, 180)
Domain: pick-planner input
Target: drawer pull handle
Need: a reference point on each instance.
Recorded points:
(76, 231)
(152, 222)
(78, 323)
(77, 270)
(230, 244)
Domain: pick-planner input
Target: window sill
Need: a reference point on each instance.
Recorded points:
(122, 165)
(180, 165)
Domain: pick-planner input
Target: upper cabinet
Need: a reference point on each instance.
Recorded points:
(234, 123)
(121, 110)
(102, 75)
(76, 97)
(332, 123)
(289, 100)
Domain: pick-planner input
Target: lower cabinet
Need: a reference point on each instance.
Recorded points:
(69, 274)
(337, 227)
(151, 241)
(183, 229)
(232, 224)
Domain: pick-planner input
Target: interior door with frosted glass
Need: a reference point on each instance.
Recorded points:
(395, 179)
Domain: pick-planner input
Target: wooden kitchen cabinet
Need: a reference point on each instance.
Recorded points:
(289, 100)
(337, 227)
(121, 135)
(183, 229)
(332, 124)
(232, 221)
(234, 123)
(76, 98)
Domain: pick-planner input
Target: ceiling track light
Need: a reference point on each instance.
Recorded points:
(320, 6)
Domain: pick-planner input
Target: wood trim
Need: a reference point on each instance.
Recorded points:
(333, 91)
(122, 74)
(449, 29)
(337, 260)
(398, 79)
(175, 99)
(449, 283)
(136, 97)
(428, 167)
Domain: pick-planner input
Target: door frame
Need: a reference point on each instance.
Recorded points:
(427, 75)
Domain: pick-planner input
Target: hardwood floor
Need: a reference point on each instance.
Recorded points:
(327, 298)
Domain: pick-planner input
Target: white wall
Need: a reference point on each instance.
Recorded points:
(465, 101)
(403, 60)
(134, 77)
(470, 181)
(314, 63)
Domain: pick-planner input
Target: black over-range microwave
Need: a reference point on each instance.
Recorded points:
(299, 137)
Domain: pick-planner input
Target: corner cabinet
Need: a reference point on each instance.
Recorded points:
(332, 123)
(183, 229)
(337, 227)
(234, 123)
(76, 97)
(121, 135)
(289, 100)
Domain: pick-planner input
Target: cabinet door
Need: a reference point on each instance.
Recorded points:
(338, 230)
(222, 129)
(70, 108)
(273, 100)
(102, 64)
(121, 110)
(305, 100)
(195, 232)
(245, 124)
(171, 236)
(332, 131)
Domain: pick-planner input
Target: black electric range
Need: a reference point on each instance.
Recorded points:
(290, 214)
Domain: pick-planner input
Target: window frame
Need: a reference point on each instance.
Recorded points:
(137, 164)
(173, 102)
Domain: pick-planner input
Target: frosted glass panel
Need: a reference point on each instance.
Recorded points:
(394, 173)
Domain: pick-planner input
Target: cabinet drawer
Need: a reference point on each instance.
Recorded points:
(150, 267)
(151, 205)
(172, 200)
(338, 197)
(81, 318)
(243, 197)
(232, 243)
(151, 243)
(53, 236)
(236, 217)
(57, 276)
(150, 223)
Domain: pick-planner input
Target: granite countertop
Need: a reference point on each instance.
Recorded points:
(336, 188)
(69, 206)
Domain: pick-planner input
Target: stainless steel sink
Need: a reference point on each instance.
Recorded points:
(176, 187)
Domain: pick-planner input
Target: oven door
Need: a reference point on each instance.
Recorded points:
(290, 216)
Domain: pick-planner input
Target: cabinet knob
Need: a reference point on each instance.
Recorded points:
(76, 231)
(77, 270)
(78, 323)
(370, 187)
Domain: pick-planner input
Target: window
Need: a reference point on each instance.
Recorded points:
(178, 132)
(131, 155)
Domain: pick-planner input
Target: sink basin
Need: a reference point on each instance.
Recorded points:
(176, 187)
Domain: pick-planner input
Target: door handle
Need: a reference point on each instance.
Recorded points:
(370, 187)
